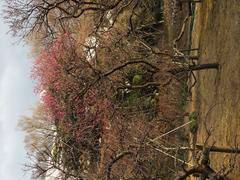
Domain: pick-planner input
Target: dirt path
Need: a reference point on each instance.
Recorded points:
(217, 33)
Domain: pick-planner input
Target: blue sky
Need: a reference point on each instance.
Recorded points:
(16, 100)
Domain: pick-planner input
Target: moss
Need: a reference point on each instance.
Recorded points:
(193, 126)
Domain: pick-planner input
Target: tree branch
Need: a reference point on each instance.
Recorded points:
(117, 158)
(127, 64)
(177, 70)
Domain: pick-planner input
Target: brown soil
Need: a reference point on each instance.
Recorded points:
(216, 32)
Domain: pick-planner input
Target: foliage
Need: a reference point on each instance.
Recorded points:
(193, 126)
(143, 100)
(137, 79)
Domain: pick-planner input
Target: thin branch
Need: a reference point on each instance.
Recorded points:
(127, 64)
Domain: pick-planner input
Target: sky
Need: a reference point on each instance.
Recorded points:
(16, 100)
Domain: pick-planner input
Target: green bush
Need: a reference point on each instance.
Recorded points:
(142, 100)
(131, 98)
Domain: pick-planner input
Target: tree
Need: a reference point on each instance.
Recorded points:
(26, 17)
(72, 100)
(40, 135)
(108, 93)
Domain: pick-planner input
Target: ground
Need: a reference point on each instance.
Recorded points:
(216, 32)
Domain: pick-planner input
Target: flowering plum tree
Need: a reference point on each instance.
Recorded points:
(70, 98)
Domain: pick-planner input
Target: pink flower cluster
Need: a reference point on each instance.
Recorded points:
(58, 92)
